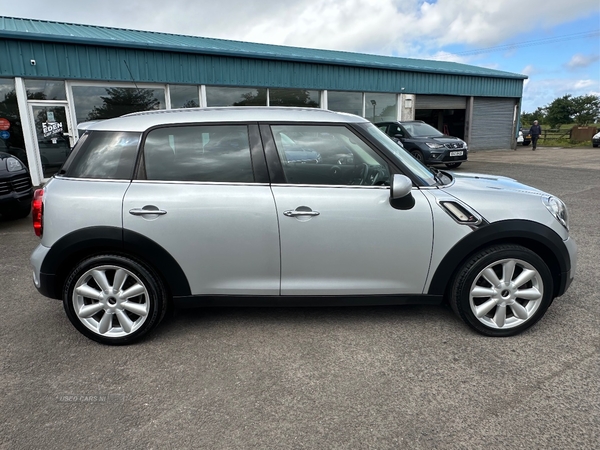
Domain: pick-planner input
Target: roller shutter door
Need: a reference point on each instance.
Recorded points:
(440, 102)
(492, 125)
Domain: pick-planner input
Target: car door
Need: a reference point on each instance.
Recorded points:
(339, 233)
(202, 194)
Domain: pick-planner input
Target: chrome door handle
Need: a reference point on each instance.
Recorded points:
(147, 211)
(291, 213)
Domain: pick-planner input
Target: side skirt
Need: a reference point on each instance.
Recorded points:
(210, 301)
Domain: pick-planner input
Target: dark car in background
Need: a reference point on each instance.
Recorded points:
(16, 190)
(596, 140)
(426, 143)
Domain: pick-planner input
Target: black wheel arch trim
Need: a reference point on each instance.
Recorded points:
(537, 237)
(85, 242)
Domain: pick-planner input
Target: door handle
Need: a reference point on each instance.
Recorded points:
(146, 210)
(297, 213)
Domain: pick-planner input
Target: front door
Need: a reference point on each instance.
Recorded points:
(339, 233)
(53, 130)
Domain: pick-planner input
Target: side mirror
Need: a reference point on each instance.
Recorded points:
(401, 187)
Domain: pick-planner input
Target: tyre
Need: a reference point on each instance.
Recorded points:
(417, 155)
(113, 300)
(502, 290)
(21, 212)
(526, 143)
(594, 145)
(453, 165)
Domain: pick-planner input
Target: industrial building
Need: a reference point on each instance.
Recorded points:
(54, 76)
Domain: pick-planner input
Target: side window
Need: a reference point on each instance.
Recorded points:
(396, 130)
(210, 153)
(328, 155)
(103, 155)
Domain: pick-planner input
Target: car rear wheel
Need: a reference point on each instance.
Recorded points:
(113, 300)
(417, 155)
(453, 165)
(502, 290)
(526, 143)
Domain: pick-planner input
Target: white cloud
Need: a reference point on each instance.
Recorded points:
(542, 92)
(579, 61)
(402, 27)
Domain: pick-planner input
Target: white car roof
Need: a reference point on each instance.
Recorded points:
(143, 120)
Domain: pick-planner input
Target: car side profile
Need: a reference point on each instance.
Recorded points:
(285, 206)
(427, 144)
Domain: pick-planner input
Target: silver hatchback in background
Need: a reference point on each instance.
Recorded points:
(285, 206)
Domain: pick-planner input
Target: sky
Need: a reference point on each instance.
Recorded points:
(556, 43)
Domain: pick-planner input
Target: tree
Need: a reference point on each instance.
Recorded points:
(539, 114)
(560, 111)
(587, 109)
(122, 101)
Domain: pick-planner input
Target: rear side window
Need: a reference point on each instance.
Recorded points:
(203, 153)
(104, 155)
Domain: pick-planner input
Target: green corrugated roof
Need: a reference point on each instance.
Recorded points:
(41, 30)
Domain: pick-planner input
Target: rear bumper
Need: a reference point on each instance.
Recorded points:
(44, 282)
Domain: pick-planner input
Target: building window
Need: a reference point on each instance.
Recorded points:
(11, 139)
(45, 90)
(349, 102)
(235, 96)
(294, 97)
(184, 96)
(96, 102)
(381, 107)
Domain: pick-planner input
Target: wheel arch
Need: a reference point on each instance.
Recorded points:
(532, 235)
(78, 245)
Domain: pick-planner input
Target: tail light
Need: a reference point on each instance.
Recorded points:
(37, 212)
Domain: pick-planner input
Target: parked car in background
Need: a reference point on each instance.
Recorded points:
(255, 206)
(524, 138)
(15, 187)
(427, 144)
(596, 140)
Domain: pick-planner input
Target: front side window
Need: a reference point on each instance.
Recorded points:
(202, 153)
(328, 155)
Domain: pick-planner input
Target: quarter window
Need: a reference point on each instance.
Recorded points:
(103, 155)
(213, 153)
(328, 155)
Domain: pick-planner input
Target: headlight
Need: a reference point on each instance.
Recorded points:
(596, 136)
(558, 209)
(13, 164)
(434, 145)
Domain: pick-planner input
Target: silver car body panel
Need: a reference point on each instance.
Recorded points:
(446, 231)
(501, 198)
(74, 204)
(224, 237)
(357, 244)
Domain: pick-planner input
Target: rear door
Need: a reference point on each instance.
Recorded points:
(203, 195)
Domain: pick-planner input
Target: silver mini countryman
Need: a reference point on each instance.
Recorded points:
(284, 206)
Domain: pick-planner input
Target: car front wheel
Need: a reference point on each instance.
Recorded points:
(417, 155)
(502, 290)
(113, 300)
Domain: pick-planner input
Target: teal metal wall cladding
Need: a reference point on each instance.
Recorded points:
(83, 52)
